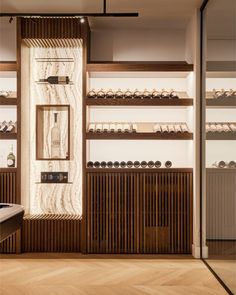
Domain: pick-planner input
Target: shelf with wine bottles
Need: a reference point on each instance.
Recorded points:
(139, 135)
(221, 136)
(8, 136)
(8, 66)
(139, 170)
(229, 102)
(139, 102)
(8, 101)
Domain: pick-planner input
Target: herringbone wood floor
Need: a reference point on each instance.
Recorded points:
(70, 275)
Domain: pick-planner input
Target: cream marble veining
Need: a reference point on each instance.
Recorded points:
(56, 198)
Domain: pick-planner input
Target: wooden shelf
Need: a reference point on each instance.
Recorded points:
(138, 170)
(6, 169)
(136, 66)
(8, 136)
(139, 102)
(221, 136)
(8, 100)
(139, 136)
(221, 102)
(8, 66)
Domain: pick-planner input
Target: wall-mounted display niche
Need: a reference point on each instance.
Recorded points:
(52, 132)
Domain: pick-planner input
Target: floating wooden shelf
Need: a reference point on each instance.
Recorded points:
(141, 170)
(139, 102)
(221, 136)
(8, 136)
(6, 169)
(149, 66)
(53, 182)
(221, 102)
(8, 66)
(8, 101)
(135, 136)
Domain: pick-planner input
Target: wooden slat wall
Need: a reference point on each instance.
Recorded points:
(139, 212)
(221, 203)
(50, 28)
(51, 233)
(8, 195)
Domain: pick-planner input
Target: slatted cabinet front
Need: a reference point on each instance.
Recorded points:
(139, 212)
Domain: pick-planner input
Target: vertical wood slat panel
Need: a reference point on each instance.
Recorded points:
(8, 195)
(51, 233)
(143, 212)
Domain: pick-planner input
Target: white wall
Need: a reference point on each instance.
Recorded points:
(134, 45)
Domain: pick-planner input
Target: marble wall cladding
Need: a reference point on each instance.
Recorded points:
(45, 62)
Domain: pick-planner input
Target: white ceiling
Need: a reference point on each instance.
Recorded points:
(153, 14)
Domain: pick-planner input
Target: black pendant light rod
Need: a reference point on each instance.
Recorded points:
(57, 14)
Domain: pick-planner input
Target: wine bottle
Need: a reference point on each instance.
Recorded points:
(116, 164)
(232, 164)
(122, 164)
(92, 94)
(96, 164)
(177, 128)
(119, 94)
(157, 128)
(143, 164)
(136, 164)
(90, 164)
(109, 164)
(168, 164)
(11, 159)
(157, 164)
(151, 164)
(130, 164)
(109, 94)
(184, 128)
(156, 94)
(221, 164)
(171, 128)
(91, 127)
(56, 80)
(103, 164)
(112, 127)
(55, 139)
(99, 128)
(10, 127)
(106, 127)
(164, 128)
(3, 127)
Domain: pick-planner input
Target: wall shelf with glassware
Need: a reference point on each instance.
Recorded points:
(8, 101)
(53, 132)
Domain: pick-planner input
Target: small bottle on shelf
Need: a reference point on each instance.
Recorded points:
(127, 128)
(119, 127)
(173, 94)
(116, 164)
(130, 164)
(55, 139)
(56, 80)
(112, 127)
(151, 164)
(157, 128)
(123, 164)
(90, 164)
(136, 164)
(164, 128)
(184, 128)
(168, 164)
(109, 164)
(11, 159)
(103, 164)
(96, 164)
(106, 127)
(92, 128)
(232, 164)
(221, 164)
(171, 128)
(99, 128)
(143, 164)
(157, 164)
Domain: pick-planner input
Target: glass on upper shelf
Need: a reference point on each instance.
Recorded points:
(52, 132)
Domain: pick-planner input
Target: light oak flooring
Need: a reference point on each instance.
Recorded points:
(37, 274)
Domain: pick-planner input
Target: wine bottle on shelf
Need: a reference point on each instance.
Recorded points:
(171, 128)
(10, 127)
(232, 164)
(136, 164)
(168, 164)
(109, 94)
(56, 80)
(92, 127)
(112, 127)
(109, 164)
(164, 128)
(156, 94)
(119, 94)
(122, 164)
(157, 128)
(184, 128)
(151, 164)
(221, 164)
(116, 164)
(11, 159)
(232, 127)
(130, 164)
(103, 164)
(177, 128)
(143, 164)
(90, 164)
(99, 128)
(55, 139)
(101, 94)
(92, 94)
(3, 126)
(157, 164)
(106, 127)
(96, 164)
